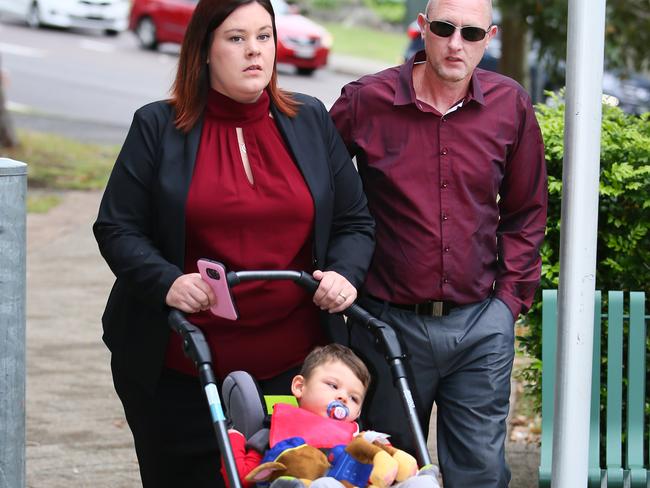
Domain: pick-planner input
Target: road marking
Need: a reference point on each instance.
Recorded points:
(101, 47)
(18, 50)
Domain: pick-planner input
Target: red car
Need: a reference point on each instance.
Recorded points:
(301, 42)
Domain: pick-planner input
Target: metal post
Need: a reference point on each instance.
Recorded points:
(13, 189)
(585, 52)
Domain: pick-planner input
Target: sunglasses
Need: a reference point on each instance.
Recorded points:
(446, 29)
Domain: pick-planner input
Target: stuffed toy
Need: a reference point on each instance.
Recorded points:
(366, 459)
(294, 458)
(407, 466)
(389, 465)
(384, 466)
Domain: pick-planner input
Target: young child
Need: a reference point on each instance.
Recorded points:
(330, 391)
(332, 383)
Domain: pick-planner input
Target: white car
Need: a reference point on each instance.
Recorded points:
(111, 16)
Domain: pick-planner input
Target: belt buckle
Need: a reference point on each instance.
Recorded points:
(431, 308)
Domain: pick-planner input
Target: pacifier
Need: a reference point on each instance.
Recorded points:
(337, 410)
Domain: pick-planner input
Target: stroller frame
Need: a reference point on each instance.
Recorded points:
(197, 350)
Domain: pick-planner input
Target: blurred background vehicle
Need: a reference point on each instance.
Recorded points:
(631, 93)
(155, 22)
(111, 16)
(301, 42)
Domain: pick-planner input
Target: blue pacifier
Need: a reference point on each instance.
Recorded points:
(337, 410)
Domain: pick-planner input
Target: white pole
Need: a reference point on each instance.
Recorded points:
(13, 190)
(585, 52)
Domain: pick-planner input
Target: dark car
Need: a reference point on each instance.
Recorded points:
(301, 42)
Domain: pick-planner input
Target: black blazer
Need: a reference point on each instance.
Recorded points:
(140, 228)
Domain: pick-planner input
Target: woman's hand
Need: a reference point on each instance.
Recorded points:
(190, 294)
(335, 293)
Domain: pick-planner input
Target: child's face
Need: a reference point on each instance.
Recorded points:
(329, 382)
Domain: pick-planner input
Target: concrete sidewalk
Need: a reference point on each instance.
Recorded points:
(76, 432)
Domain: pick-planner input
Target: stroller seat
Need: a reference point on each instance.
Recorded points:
(249, 413)
(246, 407)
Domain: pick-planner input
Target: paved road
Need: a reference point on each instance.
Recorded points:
(83, 76)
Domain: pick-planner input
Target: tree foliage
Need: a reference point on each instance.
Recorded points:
(623, 252)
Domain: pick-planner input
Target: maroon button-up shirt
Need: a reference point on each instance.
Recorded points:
(459, 199)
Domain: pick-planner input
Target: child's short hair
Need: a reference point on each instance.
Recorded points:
(336, 352)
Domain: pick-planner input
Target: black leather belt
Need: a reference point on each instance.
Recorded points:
(430, 308)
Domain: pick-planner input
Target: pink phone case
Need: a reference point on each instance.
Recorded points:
(214, 274)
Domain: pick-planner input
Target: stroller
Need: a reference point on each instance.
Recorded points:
(197, 350)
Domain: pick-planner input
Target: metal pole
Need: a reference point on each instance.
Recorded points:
(13, 189)
(585, 52)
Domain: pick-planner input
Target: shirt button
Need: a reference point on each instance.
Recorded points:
(443, 185)
(444, 151)
(444, 217)
(446, 249)
(445, 280)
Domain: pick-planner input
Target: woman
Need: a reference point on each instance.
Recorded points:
(234, 169)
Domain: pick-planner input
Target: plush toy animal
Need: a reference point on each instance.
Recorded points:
(294, 458)
(390, 465)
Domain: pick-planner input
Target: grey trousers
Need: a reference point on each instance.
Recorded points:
(462, 362)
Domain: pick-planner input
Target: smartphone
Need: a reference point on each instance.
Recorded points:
(214, 273)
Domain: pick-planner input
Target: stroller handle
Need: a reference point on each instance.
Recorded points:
(382, 331)
(194, 344)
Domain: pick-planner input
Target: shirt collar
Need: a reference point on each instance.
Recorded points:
(475, 91)
(405, 92)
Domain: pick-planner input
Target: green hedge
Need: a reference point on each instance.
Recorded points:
(623, 255)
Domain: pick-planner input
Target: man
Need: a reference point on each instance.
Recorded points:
(452, 160)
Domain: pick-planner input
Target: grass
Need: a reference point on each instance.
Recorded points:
(57, 163)
(42, 202)
(367, 43)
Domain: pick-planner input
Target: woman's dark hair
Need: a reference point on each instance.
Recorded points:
(190, 89)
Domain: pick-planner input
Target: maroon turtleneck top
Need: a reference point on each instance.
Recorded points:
(266, 224)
